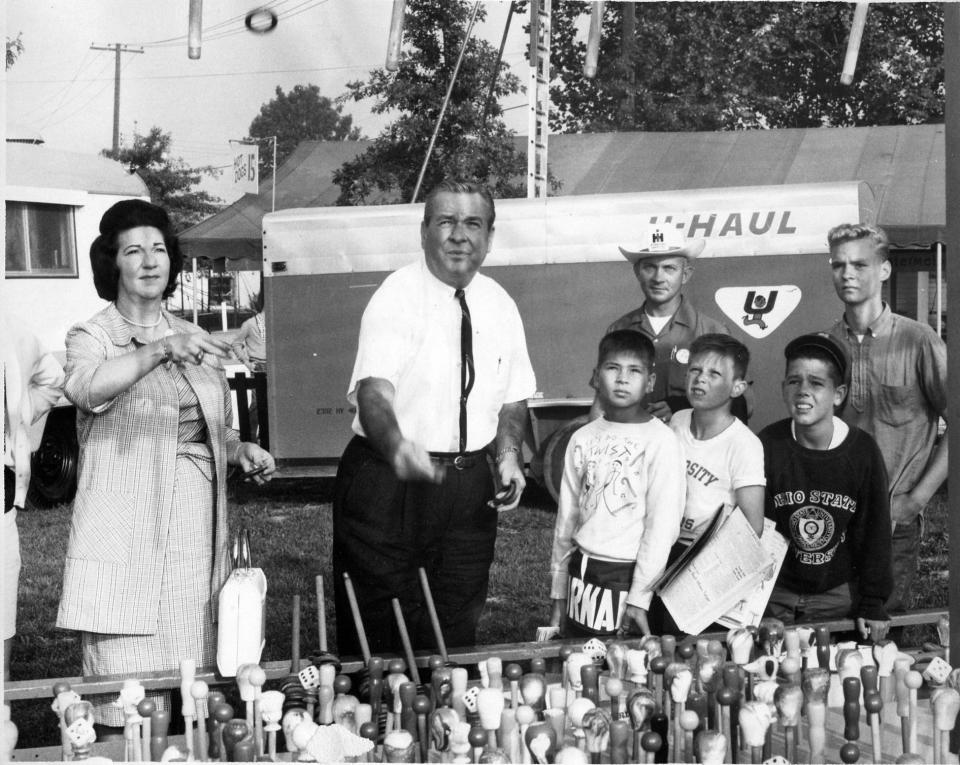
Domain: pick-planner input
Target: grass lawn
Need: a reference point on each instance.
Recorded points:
(289, 525)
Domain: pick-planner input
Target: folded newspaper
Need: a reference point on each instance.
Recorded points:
(725, 576)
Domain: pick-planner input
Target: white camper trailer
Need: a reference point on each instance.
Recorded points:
(54, 201)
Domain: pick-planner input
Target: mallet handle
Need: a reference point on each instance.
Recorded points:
(817, 717)
(875, 737)
(405, 639)
(357, 620)
(295, 635)
(145, 739)
(321, 614)
(432, 610)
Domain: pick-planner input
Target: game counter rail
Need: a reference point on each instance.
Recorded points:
(575, 704)
(19, 690)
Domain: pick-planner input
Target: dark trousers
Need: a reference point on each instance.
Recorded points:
(905, 546)
(596, 596)
(384, 529)
(795, 608)
(9, 488)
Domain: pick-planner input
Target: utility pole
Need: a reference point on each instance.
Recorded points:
(117, 48)
(538, 89)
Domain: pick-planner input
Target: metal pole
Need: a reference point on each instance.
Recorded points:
(938, 249)
(195, 318)
(273, 195)
(541, 12)
(446, 100)
(496, 68)
(532, 99)
(951, 67)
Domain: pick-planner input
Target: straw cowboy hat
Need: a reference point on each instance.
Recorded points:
(663, 242)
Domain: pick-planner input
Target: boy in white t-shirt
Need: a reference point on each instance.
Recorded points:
(724, 458)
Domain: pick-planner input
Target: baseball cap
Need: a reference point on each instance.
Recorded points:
(823, 342)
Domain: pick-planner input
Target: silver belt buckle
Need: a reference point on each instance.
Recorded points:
(460, 462)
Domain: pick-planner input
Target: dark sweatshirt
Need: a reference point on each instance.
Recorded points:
(832, 506)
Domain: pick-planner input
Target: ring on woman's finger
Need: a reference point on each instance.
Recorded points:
(199, 355)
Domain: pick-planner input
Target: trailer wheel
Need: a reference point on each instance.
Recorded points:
(554, 451)
(53, 478)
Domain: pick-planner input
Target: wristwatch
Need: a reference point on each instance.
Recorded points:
(505, 451)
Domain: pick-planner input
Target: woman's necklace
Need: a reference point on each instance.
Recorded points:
(151, 325)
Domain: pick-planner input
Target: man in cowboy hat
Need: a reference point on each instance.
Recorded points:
(661, 263)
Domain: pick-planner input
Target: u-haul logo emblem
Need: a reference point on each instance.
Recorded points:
(758, 311)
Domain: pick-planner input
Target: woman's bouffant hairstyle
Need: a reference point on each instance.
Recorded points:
(130, 213)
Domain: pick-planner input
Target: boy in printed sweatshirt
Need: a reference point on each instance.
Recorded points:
(827, 493)
(621, 501)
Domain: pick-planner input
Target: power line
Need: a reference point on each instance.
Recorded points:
(206, 76)
(218, 25)
(85, 105)
(67, 93)
(296, 10)
(62, 92)
(84, 94)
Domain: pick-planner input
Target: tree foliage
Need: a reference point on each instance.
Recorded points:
(723, 66)
(470, 144)
(14, 49)
(170, 180)
(300, 115)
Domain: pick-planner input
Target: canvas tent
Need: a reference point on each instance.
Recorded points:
(904, 166)
(304, 180)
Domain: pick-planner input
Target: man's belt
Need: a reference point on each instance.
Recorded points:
(459, 460)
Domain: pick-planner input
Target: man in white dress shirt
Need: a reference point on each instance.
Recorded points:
(440, 384)
(33, 381)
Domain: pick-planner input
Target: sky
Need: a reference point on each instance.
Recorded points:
(64, 90)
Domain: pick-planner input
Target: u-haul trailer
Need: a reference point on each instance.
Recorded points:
(764, 273)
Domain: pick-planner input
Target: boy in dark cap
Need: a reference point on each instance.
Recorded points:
(827, 493)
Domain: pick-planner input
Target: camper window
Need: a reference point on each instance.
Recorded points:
(40, 240)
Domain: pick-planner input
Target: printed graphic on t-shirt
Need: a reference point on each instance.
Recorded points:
(700, 473)
(609, 482)
(813, 527)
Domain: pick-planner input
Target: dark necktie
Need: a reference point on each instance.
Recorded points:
(466, 364)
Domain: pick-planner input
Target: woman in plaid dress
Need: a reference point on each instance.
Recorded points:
(148, 540)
